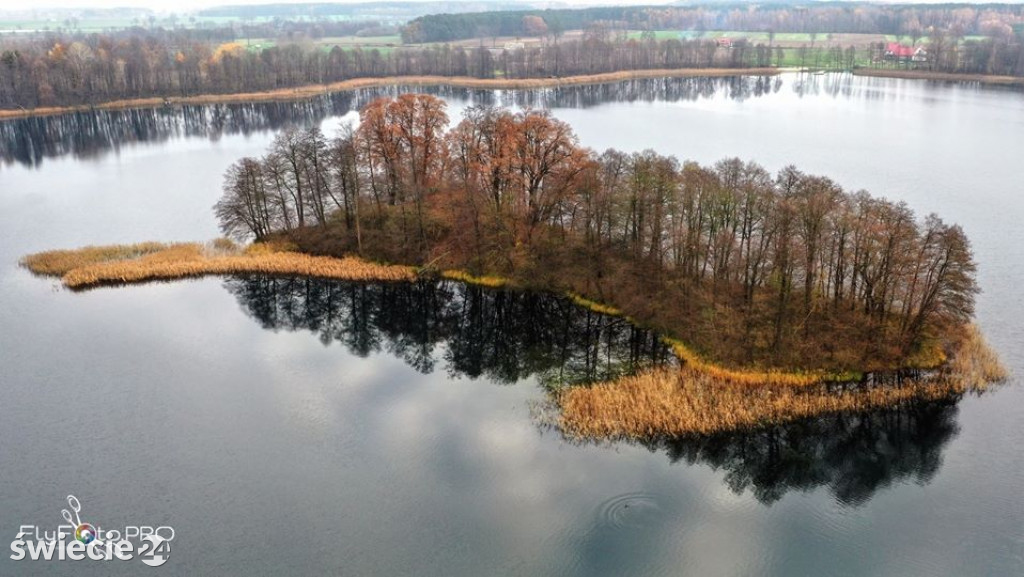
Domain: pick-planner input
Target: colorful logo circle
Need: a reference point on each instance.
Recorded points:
(85, 533)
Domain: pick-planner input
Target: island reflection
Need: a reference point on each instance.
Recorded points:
(509, 336)
(854, 455)
(506, 336)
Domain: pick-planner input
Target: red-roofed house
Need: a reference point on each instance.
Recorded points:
(897, 51)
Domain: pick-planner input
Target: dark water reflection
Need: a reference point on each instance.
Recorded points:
(87, 134)
(504, 335)
(854, 455)
(509, 336)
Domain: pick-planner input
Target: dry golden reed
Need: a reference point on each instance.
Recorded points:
(687, 401)
(166, 262)
(976, 364)
(59, 262)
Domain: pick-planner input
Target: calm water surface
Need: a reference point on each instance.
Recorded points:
(311, 427)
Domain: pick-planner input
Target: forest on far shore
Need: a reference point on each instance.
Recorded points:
(69, 67)
(784, 270)
(911, 20)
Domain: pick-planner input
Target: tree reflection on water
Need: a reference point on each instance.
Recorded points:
(854, 455)
(508, 336)
(504, 335)
(87, 134)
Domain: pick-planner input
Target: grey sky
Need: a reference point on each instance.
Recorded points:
(183, 5)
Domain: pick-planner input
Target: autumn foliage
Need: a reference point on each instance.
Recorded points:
(752, 270)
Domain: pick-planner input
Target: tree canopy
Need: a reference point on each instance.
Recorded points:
(754, 267)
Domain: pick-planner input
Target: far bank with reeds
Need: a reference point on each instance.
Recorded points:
(698, 397)
(909, 74)
(311, 90)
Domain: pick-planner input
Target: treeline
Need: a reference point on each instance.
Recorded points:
(92, 69)
(821, 18)
(77, 69)
(753, 267)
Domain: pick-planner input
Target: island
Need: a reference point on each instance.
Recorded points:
(782, 296)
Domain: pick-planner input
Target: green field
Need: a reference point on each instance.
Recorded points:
(383, 44)
(789, 37)
(712, 34)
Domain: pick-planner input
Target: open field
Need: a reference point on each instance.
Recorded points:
(792, 39)
(784, 39)
(384, 44)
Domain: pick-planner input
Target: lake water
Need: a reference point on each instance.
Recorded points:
(311, 427)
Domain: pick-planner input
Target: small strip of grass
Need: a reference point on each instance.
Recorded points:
(488, 281)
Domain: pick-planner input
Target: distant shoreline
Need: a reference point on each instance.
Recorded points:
(300, 92)
(308, 91)
(940, 76)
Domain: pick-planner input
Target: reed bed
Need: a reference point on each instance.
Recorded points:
(60, 262)
(976, 365)
(195, 259)
(939, 76)
(688, 401)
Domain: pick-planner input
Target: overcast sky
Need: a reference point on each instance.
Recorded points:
(181, 5)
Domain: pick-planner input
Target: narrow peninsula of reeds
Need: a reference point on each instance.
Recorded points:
(699, 400)
(129, 264)
(781, 295)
